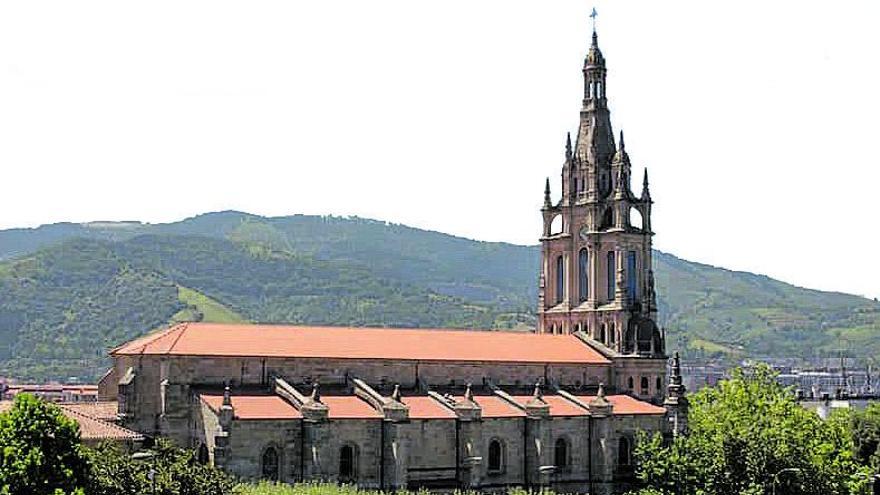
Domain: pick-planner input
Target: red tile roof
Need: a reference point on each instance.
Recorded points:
(95, 429)
(90, 428)
(349, 407)
(496, 407)
(426, 407)
(559, 405)
(254, 406)
(624, 405)
(214, 339)
(103, 410)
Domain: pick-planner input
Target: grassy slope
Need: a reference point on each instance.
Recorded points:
(200, 307)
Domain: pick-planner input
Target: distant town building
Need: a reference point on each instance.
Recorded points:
(53, 392)
(409, 408)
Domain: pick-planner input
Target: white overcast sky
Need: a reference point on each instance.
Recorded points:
(757, 120)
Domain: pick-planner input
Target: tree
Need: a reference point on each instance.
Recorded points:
(177, 472)
(40, 450)
(866, 434)
(747, 435)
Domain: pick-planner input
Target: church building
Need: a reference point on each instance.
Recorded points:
(390, 408)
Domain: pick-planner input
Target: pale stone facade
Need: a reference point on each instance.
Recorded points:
(457, 417)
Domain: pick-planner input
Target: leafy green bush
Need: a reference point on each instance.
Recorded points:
(40, 451)
(747, 435)
(175, 471)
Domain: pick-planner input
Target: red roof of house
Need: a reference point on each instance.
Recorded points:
(216, 339)
(624, 404)
(90, 428)
(349, 407)
(103, 410)
(426, 407)
(559, 405)
(254, 406)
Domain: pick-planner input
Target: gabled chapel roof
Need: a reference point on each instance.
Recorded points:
(403, 344)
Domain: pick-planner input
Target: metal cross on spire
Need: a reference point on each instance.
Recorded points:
(593, 15)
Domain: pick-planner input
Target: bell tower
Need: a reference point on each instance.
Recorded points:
(596, 272)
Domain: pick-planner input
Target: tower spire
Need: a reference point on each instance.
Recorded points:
(547, 203)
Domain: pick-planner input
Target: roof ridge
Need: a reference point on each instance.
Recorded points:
(179, 335)
(143, 341)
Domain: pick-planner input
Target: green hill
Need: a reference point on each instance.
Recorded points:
(70, 291)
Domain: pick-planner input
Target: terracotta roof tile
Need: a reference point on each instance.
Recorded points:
(213, 339)
(496, 407)
(90, 428)
(559, 405)
(426, 407)
(349, 407)
(625, 405)
(254, 406)
(103, 410)
(94, 429)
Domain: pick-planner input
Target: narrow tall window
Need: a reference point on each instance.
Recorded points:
(560, 279)
(561, 453)
(624, 457)
(583, 275)
(611, 279)
(495, 456)
(644, 385)
(631, 276)
(270, 464)
(347, 463)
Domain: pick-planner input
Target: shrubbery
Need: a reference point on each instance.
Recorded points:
(747, 436)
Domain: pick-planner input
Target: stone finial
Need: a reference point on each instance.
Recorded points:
(468, 393)
(646, 194)
(599, 405)
(538, 392)
(227, 396)
(547, 193)
(227, 413)
(568, 146)
(316, 394)
(395, 395)
(622, 146)
(676, 367)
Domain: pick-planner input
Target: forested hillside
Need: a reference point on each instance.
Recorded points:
(70, 291)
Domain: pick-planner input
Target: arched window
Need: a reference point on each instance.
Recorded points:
(560, 279)
(659, 384)
(204, 458)
(612, 332)
(560, 454)
(496, 456)
(644, 384)
(602, 333)
(632, 276)
(629, 383)
(347, 464)
(608, 216)
(611, 279)
(635, 219)
(270, 464)
(583, 274)
(556, 225)
(624, 452)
